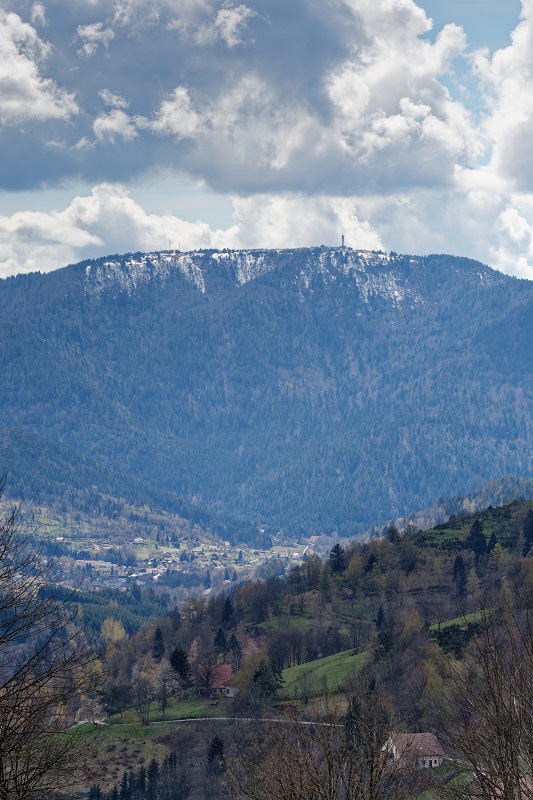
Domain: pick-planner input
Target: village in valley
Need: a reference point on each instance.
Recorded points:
(165, 556)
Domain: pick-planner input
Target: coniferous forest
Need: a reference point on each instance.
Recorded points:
(310, 391)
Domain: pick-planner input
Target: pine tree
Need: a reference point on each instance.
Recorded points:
(180, 663)
(528, 532)
(459, 575)
(393, 534)
(337, 559)
(158, 645)
(476, 540)
(220, 643)
(215, 754)
(124, 787)
(141, 780)
(227, 611)
(152, 781)
(236, 651)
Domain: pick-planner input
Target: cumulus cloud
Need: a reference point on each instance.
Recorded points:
(175, 116)
(92, 36)
(506, 77)
(325, 97)
(136, 12)
(205, 24)
(31, 240)
(376, 105)
(295, 219)
(116, 123)
(494, 228)
(24, 93)
(110, 220)
(346, 115)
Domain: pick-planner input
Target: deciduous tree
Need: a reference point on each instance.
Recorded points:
(338, 756)
(486, 713)
(44, 670)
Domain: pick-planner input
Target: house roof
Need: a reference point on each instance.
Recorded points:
(222, 675)
(419, 744)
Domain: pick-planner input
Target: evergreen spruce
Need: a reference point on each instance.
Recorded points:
(337, 559)
(158, 645)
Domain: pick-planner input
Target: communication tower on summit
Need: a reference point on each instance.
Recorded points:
(343, 241)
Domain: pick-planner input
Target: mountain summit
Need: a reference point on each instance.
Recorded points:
(308, 389)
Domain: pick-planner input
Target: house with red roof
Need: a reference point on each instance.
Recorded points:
(220, 683)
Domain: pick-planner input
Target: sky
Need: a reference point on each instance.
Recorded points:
(130, 125)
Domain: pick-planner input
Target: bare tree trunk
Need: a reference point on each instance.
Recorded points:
(44, 669)
(341, 755)
(486, 719)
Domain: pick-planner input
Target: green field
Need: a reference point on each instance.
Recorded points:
(503, 521)
(314, 677)
(191, 708)
(474, 616)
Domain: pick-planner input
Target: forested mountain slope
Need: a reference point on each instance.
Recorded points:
(313, 389)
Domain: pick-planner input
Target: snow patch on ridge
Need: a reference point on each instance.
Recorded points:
(127, 274)
(375, 276)
(249, 266)
(373, 273)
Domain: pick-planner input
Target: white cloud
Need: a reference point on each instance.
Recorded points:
(38, 15)
(84, 144)
(24, 93)
(378, 117)
(115, 123)
(293, 220)
(250, 126)
(134, 12)
(32, 240)
(176, 116)
(203, 21)
(479, 217)
(230, 24)
(507, 81)
(93, 36)
(392, 114)
(346, 115)
(481, 222)
(109, 220)
(113, 100)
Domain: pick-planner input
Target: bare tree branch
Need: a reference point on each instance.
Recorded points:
(44, 669)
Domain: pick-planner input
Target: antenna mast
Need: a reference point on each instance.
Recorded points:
(343, 241)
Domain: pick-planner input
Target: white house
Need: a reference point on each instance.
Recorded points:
(417, 749)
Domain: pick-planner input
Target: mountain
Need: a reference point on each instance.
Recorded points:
(310, 390)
